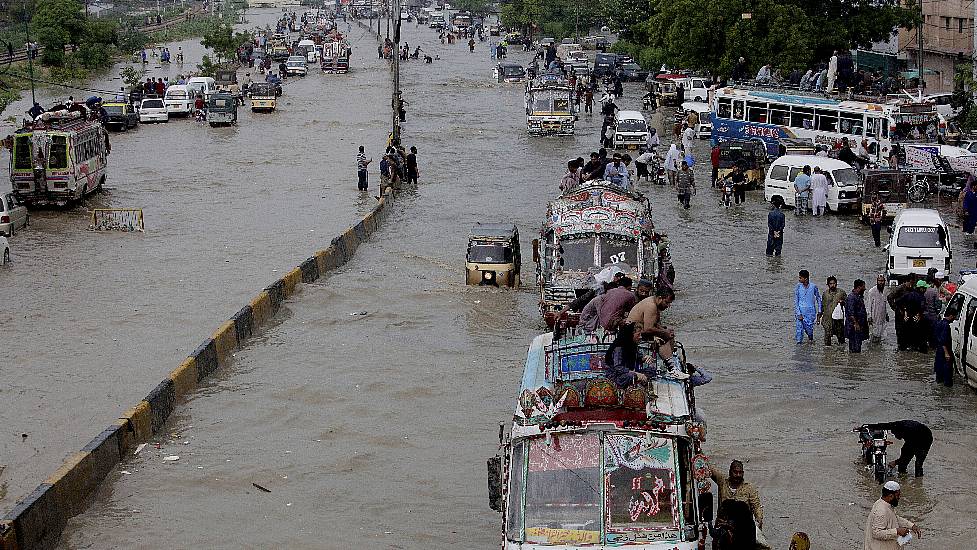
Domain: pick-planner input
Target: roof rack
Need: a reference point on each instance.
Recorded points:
(789, 89)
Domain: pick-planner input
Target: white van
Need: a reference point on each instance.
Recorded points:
(203, 85)
(311, 50)
(630, 130)
(844, 189)
(696, 88)
(919, 240)
(703, 130)
(963, 331)
(178, 100)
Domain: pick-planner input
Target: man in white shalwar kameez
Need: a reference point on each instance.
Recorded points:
(819, 192)
(878, 312)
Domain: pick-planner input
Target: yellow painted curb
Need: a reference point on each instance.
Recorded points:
(291, 281)
(184, 377)
(261, 309)
(140, 420)
(225, 341)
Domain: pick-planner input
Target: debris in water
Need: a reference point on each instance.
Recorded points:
(355, 313)
(260, 488)
(171, 458)
(140, 448)
(125, 472)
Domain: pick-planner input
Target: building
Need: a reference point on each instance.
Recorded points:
(948, 35)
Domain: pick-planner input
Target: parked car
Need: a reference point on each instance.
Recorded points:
(12, 215)
(122, 116)
(632, 72)
(919, 240)
(4, 251)
(153, 110)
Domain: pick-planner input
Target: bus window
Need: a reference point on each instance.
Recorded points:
(780, 117)
(802, 117)
(724, 107)
(58, 154)
(827, 121)
(757, 112)
(884, 124)
(22, 153)
(739, 110)
(851, 124)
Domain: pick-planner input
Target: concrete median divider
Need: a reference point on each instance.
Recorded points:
(37, 520)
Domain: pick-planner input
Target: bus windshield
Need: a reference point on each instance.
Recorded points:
(618, 250)
(577, 483)
(577, 254)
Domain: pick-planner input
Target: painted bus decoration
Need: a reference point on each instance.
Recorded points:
(58, 159)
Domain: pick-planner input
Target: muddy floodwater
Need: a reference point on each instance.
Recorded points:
(90, 322)
(368, 408)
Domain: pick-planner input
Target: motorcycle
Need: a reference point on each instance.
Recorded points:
(727, 187)
(874, 444)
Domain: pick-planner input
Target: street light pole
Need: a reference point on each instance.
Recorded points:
(30, 51)
(395, 96)
(919, 39)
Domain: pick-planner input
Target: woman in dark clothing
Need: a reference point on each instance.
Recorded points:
(624, 361)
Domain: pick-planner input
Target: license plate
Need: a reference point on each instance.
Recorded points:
(919, 263)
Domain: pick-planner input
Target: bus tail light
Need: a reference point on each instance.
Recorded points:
(4, 219)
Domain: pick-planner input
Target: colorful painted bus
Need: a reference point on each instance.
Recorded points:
(768, 115)
(58, 159)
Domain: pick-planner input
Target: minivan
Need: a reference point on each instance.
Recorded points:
(919, 240)
(963, 331)
(844, 189)
(605, 64)
(178, 100)
(202, 85)
(630, 130)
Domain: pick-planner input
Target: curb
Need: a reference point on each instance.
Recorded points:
(37, 520)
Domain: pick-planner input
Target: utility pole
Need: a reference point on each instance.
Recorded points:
(30, 51)
(919, 39)
(386, 8)
(395, 96)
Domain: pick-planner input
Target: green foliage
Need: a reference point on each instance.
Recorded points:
(552, 18)
(222, 39)
(478, 7)
(61, 24)
(963, 96)
(207, 67)
(131, 76)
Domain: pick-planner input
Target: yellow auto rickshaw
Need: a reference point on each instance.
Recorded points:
(493, 257)
(264, 96)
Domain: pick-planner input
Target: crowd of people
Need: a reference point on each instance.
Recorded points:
(917, 306)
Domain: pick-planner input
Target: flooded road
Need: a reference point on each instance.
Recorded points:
(371, 430)
(92, 321)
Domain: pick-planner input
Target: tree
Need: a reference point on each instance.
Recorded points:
(56, 24)
(223, 40)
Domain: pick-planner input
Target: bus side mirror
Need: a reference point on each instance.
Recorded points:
(536, 250)
(495, 483)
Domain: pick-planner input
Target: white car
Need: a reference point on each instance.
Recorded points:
(178, 100)
(153, 110)
(920, 240)
(296, 66)
(12, 214)
(4, 251)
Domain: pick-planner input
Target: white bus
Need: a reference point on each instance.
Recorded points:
(752, 114)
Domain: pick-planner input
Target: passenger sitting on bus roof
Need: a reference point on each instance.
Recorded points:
(625, 365)
(617, 303)
(646, 318)
(617, 173)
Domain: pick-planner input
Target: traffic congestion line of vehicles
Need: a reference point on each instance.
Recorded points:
(573, 429)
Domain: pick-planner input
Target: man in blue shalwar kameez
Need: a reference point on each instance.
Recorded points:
(807, 306)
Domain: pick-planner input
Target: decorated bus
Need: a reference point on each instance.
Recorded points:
(549, 106)
(588, 229)
(58, 159)
(745, 113)
(587, 464)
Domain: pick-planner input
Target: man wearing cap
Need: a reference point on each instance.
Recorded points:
(878, 312)
(884, 526)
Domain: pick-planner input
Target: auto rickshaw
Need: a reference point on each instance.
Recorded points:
(263, 96)
(493, 257)
(222, 109)
(892, 186)
(750, 155)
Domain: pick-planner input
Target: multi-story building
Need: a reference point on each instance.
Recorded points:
(948, 34)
